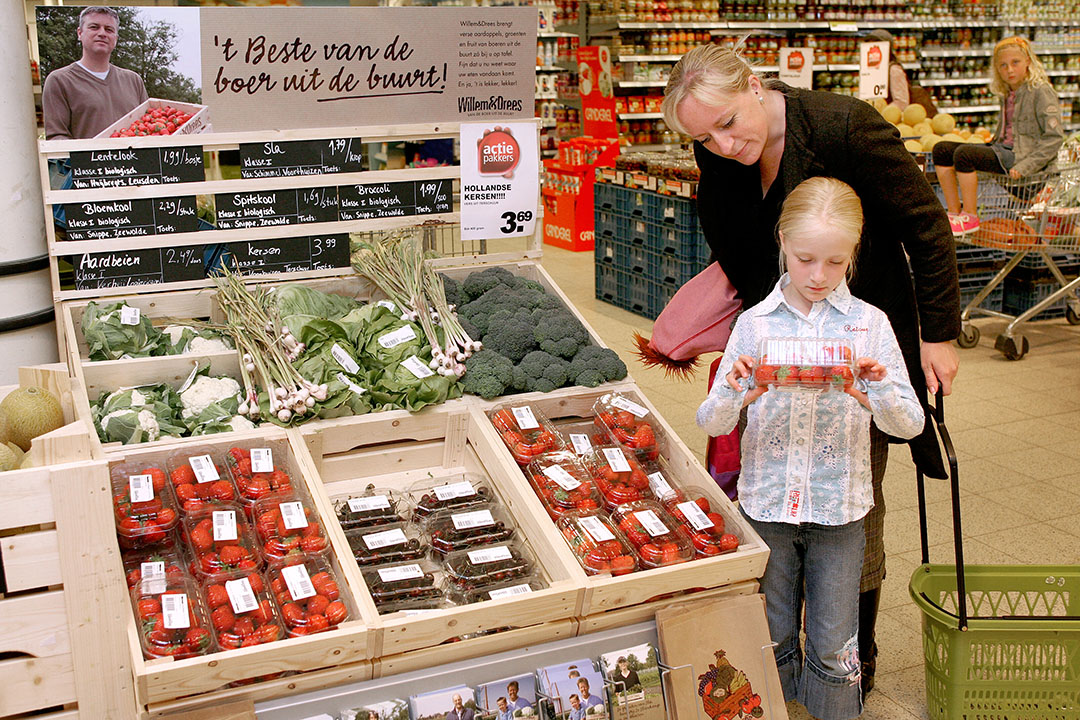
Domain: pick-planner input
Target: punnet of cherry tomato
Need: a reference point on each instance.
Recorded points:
(161, 120)
(144, 508)
(525, 431)
(627, 423)
(808, 363)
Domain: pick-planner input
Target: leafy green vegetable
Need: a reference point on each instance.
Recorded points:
(109, 339)
(295, 299)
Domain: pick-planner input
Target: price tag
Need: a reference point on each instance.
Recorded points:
(141, 488)
(224, 525)
(581, 443)
(366, 504)
(695, 515)
(400, 573)
(559, 475)
(203, 465)
(190, 379)
(292, 515)
(616, 460)
(490, 555)
(465, 521)
(652, 524)
(388, 305)
(630, 406)
(417, 367)
(873, 70)
(344, 359)
(374, 541)
(241, 596)
(510, 591)
(129, 315)
(659, 485)
(347, 382)
(525, 418)
(454, 490)
(262, 460)
(152, 577)
(596, 529)
(395, 338)
(298, 581)
(174, 608)
(425, 611)
(843, 27)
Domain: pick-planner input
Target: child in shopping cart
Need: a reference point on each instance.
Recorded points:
(1028, 136)
(805, 483)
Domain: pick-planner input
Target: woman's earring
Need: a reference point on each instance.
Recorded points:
(760, 99)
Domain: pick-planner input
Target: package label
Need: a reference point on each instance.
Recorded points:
(559, 475)
(401, 335)
(652, 524)
(225, 526)
(659, 485)
(454, 490)
(293, 516)
(630, 406)
(581, 443)
(298, 582)
(596, 529)
(204, 469)
(366, 504)
(512, 591)
(129, 315)
(152, 577)
(174, 608)
(617, 460)
(489, 555)
(417, 367)
(525, 418)
(466, 521)
(141, 488)
(241, 595)
(344, 359)
(695, 516)
(401, 572)
(374, 541)
(262, 460)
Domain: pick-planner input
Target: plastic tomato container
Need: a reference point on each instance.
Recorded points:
(259, 472)
(479, 567)
(221, 543)
(452, 530)
(385, 544)
(525, 431)
(154, 567)
(416, 580)
(241, 611)
(431, 497)
(598, 545)
(818, 364)
(511, 588)
(582, 436)
(199, 480)
(172, 623)
(143, 506)
(308, 596)
(286, 526)
(618, 475)
(419, 606)
(563, 484)
(702, 526)
(374, 506)
(627, 423)
(653, 533)
(663, 488)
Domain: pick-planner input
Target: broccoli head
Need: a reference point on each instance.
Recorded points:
(523, 283)
(540, 372)
(561, 334)
(594, 365)
(510, 333)
(479, 282)
(487, 374)
(504, 297)
(452, 290)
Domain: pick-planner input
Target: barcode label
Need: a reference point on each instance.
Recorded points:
(298, 582)
(425, 611)
(130, 315)
(465, 521)
(262, 460)
(581, 443)
(401, 572)
(596, 529)
(395, 338)
(669, 212)
(174, 608)
(366, 504)
(152, 577)
(454, 490)
(630, 406)
(695, 515)
(344, 380)
(203, 466)
(490, 555)
(224, 525)
(417, 367)
(525, 418)
(292, 514)
(559, 475)
(659, 485)
(388, 305)
(241, 596)
(510, 591)
(345, 360)
(616, 460)
(141, 488)
(374, 541)
(652, 524)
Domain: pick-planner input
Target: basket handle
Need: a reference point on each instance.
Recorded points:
(938, 413)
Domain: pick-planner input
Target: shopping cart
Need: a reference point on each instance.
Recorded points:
(1037, 216)
(999, 641)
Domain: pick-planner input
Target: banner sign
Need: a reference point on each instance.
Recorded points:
(596, 86)
(873, 70)
(797, 67)
(500, 186)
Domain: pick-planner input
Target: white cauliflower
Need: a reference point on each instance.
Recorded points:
(239, 422)
(137, 398)
(147, 422)
(205, 391)
(200, 345)
(175, 332)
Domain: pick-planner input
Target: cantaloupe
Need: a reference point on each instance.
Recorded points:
(879, 103)
(976, 140)
(31, 411)
(905, 130)
(952, 137)
(8, 459)
(892, 113)
(922, 128)
(929, 141)
(914, 114)
(964, 133)
(943, 123)
(913, 146)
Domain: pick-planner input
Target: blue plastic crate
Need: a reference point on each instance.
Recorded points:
(975, 255)
(604, 196)
(1019, 296)
(616, 224)
(677, 211)
(670, 270)
(631, 292)
(604, 248)
(607, 282)
(666, 239)
(993, 301)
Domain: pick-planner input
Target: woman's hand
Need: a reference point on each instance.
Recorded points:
(939, 363)
(739, 371)
(1015, 175)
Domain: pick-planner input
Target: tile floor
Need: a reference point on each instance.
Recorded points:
(1016, 428)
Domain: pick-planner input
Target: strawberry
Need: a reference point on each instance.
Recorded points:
(788, 375)
(841, 376)
(336, 613)
(765, 375)
(643, 437)
(812, 375)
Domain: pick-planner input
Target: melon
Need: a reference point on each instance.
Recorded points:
(905, 130)
(943, 123)
(892, 113)
(913, 146)
(31, 411)
(929, 141)
(965, 133)
(914, 114)
(952, 137)
(922, 128)
(8, 459)
(879, 103)
(976, 140)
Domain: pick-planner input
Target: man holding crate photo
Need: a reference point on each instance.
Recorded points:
(87, 96)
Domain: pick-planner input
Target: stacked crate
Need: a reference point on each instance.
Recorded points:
(976, 267)
(1031, 282)
(647, 246)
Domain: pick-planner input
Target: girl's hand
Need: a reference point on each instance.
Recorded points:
(870, 370)
(741, 370)
(1014, 174)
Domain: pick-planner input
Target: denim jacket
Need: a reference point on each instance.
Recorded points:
(1037, 129)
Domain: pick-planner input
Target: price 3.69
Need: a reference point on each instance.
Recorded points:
(515, 220)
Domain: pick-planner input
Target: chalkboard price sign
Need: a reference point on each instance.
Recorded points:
(301, 157)
(397, 199)
(267, 208)
(131, 218)
(131, 166)
(123, 268)
(297, 254)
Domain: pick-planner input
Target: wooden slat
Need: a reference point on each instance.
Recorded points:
(25, 498)
(392, 459)
(35, 683)
(110, 375)
(34, 624)
(344, 434)
(31, 560)
(239, 710)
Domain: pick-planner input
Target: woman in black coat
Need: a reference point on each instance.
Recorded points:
(754, 142)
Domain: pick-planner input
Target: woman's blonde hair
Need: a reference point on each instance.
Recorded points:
(821, 202)
(1036, 74)
(709, 73)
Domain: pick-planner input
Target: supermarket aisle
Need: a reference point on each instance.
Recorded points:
(1016, 426)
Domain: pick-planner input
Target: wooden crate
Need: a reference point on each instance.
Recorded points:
(603, 592)
(199, 122)
(441, 443)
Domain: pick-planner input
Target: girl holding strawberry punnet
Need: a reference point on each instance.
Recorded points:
(805, 484)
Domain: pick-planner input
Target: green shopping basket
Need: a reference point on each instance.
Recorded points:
(1000, 642)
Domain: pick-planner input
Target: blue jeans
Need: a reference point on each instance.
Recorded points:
(821, 563)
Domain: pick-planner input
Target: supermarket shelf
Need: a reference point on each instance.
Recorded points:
(1055, 50)
(567, 65)
(649, 58)
(1070, 94)
(554, 34)
(640, 83)
(836, 67)
(649, 148)
(944, 82)
(550, 68)
(969, 109)
(957, 52)
(1062, 73)
(783, 25)
(642, 116)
